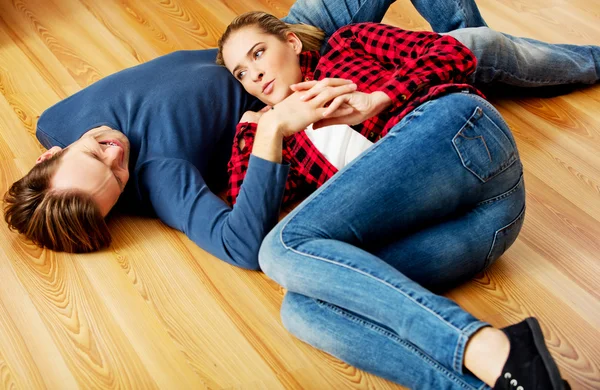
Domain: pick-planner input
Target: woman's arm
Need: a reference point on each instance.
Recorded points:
(237, 167)
(266, 140)
(420, 59)
(308, 167)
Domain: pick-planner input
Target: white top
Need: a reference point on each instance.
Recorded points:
(340, 144)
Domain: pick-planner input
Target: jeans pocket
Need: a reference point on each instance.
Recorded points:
(504, 238)
(484, 148)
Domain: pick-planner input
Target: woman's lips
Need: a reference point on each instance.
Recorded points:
(269, 87)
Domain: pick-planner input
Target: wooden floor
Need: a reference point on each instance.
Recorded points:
(155, 311)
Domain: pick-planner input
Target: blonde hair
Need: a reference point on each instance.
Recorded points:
(311, 37)
(68, 221)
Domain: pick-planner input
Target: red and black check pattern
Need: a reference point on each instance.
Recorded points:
(411, 67)
(309, 169)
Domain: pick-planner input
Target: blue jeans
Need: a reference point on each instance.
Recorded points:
(525, 62)
(436, 201)
(501, 58)
(330, 15)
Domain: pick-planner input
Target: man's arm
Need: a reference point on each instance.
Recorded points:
(182, 200)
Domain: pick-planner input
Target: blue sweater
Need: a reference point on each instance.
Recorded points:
(179, 112)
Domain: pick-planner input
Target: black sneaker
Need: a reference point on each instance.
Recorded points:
(529, 365)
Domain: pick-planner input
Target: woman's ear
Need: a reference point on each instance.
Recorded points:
(296, 43)
(48, 153)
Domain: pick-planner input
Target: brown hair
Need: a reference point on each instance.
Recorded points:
(311, 37)
(60, 220)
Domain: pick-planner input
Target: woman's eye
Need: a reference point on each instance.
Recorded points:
(258, 53)
(241, 74)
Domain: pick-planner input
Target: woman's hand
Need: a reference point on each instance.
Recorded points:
(350, 109)
(295, 114)
(253, 116)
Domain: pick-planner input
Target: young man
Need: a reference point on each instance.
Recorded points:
(157, 138)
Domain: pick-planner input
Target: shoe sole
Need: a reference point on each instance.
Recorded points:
(551, 367)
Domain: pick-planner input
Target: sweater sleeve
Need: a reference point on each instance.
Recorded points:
(181, 199)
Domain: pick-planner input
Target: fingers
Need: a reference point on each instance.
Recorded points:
(306, 85)
(341, 120)
(330, 93)
(316, 87)
(336, 104)
(303, 86)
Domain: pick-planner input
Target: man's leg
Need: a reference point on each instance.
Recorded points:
(449, 15)
(330, 15)
(524, 62)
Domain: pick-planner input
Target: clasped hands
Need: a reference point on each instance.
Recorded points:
(323, 103)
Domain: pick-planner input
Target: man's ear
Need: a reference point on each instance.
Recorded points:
(48, 153)
(295, 41)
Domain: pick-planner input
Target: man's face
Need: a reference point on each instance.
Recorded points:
(96, 164)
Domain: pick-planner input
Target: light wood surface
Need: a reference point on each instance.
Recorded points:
(155, 311)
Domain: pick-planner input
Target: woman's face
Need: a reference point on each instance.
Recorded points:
(264, 64)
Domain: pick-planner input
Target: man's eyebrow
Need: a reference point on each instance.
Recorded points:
(247, 54)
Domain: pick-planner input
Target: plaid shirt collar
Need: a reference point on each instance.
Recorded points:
(308, 64)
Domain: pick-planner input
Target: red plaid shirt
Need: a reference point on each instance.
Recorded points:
(411, 67)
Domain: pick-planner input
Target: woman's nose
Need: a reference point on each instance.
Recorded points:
(257, 75)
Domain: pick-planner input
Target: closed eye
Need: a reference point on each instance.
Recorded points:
(96, 157)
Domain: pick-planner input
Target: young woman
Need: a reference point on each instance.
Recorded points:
(500, 60)
(438, 198)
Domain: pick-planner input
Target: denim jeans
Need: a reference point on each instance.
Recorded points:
(525, 62)
(330, 15)
(434, 202)
(501, 58)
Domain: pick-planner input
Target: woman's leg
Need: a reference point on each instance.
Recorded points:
(456, 249)
(443, 158)
(434, 255)
(367, 345)
(524, 62)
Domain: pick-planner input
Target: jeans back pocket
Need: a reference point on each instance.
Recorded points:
(484, 149)
(504, 238)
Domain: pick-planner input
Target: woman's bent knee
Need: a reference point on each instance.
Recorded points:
(267, 253)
